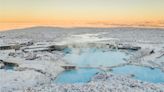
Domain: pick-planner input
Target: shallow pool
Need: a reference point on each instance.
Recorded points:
(103, 57)
(76, 76)
(88, 57)
(141, 73)
(95, 57)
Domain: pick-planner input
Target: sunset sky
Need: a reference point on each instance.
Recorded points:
(25, 13)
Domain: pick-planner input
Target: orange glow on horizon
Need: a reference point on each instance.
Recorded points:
(19, 25)
(83, 13)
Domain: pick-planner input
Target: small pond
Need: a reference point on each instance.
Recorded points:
(76, 76)
(141, 73)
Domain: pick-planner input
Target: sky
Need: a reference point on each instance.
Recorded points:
(24, 13)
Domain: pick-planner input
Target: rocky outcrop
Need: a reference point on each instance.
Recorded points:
(128, 47)
(48, 48)
(58, 47)
(105, 45)
(8, 47)
(31, 56)
(15, 46)
(69, 67)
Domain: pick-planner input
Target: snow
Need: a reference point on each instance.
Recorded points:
(36, 70)
(104, 83)
(50, 68)
(14, 80)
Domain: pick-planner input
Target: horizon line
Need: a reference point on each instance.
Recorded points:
(69, 27)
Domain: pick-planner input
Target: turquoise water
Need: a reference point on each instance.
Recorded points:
(100, 57)
(76, 76)
(141, 73)
(88, 57)
(95, 57)
(8, 67)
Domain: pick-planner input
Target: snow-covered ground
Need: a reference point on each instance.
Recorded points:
(37, 63)
(103, 83)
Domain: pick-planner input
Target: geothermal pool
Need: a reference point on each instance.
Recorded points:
(95, 57)
(76, 76)
(100, 57)
(141, 73)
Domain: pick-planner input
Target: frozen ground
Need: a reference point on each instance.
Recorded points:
(36, 63)
(103, 83)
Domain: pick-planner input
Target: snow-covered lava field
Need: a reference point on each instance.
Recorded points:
(51, 59)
